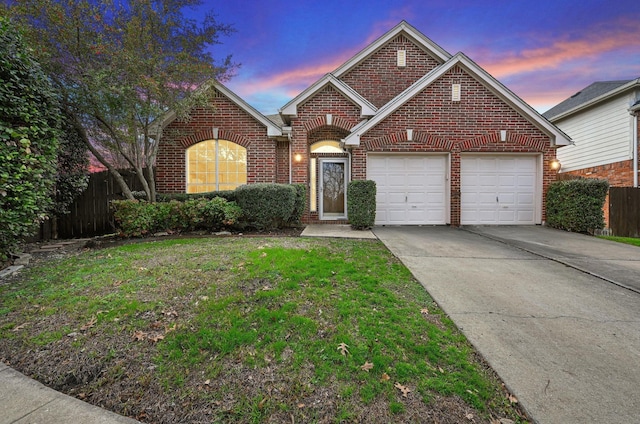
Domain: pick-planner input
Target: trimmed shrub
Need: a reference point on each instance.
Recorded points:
(138, 218)
(576, 205)
(361, 204)
(229, 195)
(301, 202)
(266, 206)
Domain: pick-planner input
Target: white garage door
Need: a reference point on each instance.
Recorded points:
(411, 189)
(499, 190)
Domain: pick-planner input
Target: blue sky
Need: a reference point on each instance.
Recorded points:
(544, 50)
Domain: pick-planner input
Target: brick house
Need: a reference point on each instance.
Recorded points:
(603, 122)
(445, 142)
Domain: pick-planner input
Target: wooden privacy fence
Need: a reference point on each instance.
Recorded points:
(624, 211)
(90, 215)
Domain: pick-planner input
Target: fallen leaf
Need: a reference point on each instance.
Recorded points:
(385, 377)
(469, 417)
(90, 324)
(142, 268)
(343, 348)
(264, 254)
(424, 311)
(204, 297)
(170, 314)
(404, 389)
(441, 370)
(207, 382)
(169, 329)
(139, 335)
(367, 366)
(261, 403)
(20, 327)
(512, 398)
(301, 405)
(156, 338)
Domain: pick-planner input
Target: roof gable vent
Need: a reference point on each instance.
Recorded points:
(402, 58)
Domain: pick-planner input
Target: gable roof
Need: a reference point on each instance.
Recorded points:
(557, 136)
(368, 109)
(404, 28)
(291, 108)
(273, 130)
(588, 96)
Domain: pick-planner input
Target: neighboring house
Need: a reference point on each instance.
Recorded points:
(445, 142)
(602, 120)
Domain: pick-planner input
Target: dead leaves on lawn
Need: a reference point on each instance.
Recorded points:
(367, 366)
(152, 337)
(404, 389)
(344, 349)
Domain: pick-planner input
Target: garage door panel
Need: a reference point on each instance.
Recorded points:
(499, 190)
(414, 188)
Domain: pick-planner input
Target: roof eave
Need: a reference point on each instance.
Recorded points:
(366, 108)
(441, 54)
(606, 96)
(558, 138)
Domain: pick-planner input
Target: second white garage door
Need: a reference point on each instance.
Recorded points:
(411, 189)
(499, 190)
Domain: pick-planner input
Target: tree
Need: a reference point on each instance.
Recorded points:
(121, 66)
(72, 176)
(29, 114)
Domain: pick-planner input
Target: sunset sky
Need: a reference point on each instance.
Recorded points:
(544, 50)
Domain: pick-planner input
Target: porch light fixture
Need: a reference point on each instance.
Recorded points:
(555, 165)
(297, 157)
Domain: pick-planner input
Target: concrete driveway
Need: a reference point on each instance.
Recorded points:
(565, 342)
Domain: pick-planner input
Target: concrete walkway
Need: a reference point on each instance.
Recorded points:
(565, 342)
(25, 401)
(338, 231)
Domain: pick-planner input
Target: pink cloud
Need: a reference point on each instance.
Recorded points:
(560, 52)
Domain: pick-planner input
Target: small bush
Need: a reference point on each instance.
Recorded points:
(138, 218)
(266, 206)
(361, 204)
(300, 203)
(576, 205)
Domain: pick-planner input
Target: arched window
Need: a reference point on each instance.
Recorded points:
(326, 146)
(214, 165)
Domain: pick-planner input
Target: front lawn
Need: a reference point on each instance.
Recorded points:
(626, 240)
(246, 330)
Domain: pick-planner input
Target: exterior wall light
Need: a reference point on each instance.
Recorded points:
(297, 157)
(555, 165)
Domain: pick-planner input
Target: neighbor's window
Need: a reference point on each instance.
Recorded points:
(214, 165)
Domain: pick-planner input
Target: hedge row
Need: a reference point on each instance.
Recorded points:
(261, 206)
(576, 205)
(136, 218)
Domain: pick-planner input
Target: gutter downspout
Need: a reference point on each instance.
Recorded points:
(634, 112)
(635, 149)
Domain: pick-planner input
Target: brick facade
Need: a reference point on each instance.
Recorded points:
(235, 125)
(471, 125)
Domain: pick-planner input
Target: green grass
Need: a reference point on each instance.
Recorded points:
(626, 240)
(232, 308)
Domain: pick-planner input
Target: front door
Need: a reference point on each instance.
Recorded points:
(333, 188)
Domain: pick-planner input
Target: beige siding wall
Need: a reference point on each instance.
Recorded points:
(602, 135)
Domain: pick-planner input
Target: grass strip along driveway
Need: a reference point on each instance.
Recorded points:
(246, 330)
